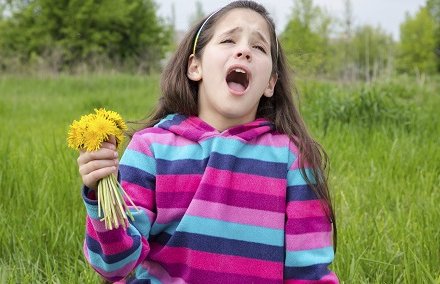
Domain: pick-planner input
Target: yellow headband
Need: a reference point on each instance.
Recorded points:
(203, 24)
(200, 30)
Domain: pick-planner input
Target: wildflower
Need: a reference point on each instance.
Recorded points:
(89, 133)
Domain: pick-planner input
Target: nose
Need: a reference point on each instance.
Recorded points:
(243, 52)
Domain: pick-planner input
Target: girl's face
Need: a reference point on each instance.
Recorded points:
(234, 71)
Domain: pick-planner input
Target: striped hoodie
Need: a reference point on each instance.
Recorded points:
(229, 207)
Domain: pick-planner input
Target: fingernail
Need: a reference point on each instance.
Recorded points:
(116, 154)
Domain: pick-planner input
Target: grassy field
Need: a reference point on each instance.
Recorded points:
(383, 141)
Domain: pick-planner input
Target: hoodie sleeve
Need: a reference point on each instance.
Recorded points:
(308, 233)
(115, 253)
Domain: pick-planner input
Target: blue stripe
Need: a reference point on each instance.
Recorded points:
(141, 222)
(313, 272)
(295, 177)
(223, 246)
(228, 230)
(101, 260)
(97, 261)
(223, 146)
(171, 152)
(169, 228)
(171, 120)
(247, 166)
(139, 161)
(309, 257)
(181, 167)
(136, 176)
(300, 193)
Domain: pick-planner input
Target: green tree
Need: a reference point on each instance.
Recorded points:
(306, 37)
(76, 31)
(373, 51)
(434, 9)
(197, 15)
(416, 52)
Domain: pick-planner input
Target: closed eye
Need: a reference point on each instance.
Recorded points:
(260, 48)
(228, 41)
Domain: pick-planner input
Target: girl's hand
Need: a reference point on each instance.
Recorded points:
(96, 165)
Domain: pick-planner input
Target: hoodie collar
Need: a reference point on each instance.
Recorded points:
(195, 129)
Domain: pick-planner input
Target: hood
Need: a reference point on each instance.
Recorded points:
(195, 129)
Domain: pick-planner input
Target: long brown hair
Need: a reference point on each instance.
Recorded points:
(179, 95)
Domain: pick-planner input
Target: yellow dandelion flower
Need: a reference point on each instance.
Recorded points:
(113, 116)
(119, 138)
(89, 133)
(76, 137)
(97, 132)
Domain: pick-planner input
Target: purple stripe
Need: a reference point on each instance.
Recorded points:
(197, 276)
(308, 225)
(300, 193)
(313, 272)
(247, 166)
(173, 199)
(241, 198)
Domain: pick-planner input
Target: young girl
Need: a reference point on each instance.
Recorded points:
(230, 185)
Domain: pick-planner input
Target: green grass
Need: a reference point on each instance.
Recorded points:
(383, 141)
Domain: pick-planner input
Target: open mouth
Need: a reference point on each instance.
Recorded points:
(237, 80)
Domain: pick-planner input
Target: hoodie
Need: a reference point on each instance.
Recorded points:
(216, 207)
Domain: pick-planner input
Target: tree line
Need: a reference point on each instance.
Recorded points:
(128, 35)
(319, 43)
(66, 35)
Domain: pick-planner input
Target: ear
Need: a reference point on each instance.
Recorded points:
(194, 71)
(271, 86)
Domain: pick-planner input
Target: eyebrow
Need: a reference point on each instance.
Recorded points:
(239, 29)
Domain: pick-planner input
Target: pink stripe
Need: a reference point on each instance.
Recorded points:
(305, 209)
(169, 138)
(296, 164)
(114, 274)
(180, 183)
(271, 139)
(141, 196)
(235, 214)
(242, 199)
(211, 262)
(246, 182)
(140, 146)
(158, 271)
(330, 278)
(99, 226)
(109, 239)
(168, 215)
(308, 241)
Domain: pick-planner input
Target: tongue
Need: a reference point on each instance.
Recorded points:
(236, 86)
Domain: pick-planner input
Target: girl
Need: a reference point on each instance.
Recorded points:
(231, 187)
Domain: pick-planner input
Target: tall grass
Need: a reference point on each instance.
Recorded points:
(382, 139)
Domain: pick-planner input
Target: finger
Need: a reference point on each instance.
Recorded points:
(101, 154)
(96, 165)
(109, 145)
(91, 180)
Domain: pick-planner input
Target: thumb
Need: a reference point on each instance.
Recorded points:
(112, 139)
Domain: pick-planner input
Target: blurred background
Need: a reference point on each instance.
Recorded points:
(341, 39)
(367, 72)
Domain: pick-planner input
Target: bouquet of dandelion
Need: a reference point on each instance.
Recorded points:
(89, 133)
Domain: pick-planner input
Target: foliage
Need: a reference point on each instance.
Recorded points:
(306, 36)
(198, 14)
(417, 44)
(373, 49)
(69, 32)
(385, 176)
(315, 46)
